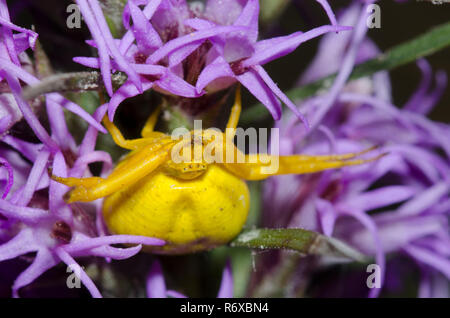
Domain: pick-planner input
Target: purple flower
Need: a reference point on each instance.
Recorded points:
(156, 285)
(169, 43)
(33, 215)
(399, 204)
(130, 53)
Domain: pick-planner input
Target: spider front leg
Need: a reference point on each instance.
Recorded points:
(133, 168)
(258, 167)
(149, 136)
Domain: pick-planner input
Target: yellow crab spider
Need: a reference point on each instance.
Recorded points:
(192, 205)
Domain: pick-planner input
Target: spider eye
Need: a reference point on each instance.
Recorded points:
(185, 170)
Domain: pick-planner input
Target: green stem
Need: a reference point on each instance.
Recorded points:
(300, 240)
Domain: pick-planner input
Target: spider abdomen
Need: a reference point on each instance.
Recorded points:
(190, 215)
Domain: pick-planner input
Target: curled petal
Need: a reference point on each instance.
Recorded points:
(175, 294)
(254, 83)
(32, 36)
(289, 44)
(175, 85)
(382, 197)
(127, 90)
(113, 252)
(43, 261)
(271, 84)
(111, 239)
(327, 8)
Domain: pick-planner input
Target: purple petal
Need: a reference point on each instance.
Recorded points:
(327, 216)
(39, 168)
(90, 138)
(20, 244)
(170, 16)
(382, 197)
(379, 253)
(219, 68)
(28, 114)
(24, 214)
(128, 38)
(57, 190)
(226, 286)
(111, 44)
(57, 98)
(249, 18)
(199, 24)
(290, 44)
(82, 162)
(111, 239)
(431, 259)
(254, 83)
(224, 12)
(425, 200)
(146, 37)
(10, 177)
(178, 43)
(266, 78)
(105, 63)
(113, 252)
(32, 36)
(346, 67)
(173, 84)
(424, 85)
(329, 12)
(156, 286)
(58, 126)
(175, 294)
(43, 261)
(181, 54)
(127, 90)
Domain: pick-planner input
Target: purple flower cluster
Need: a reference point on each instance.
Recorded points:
(399, 204)
(33, 216)
(189, 50)
(156, 285)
